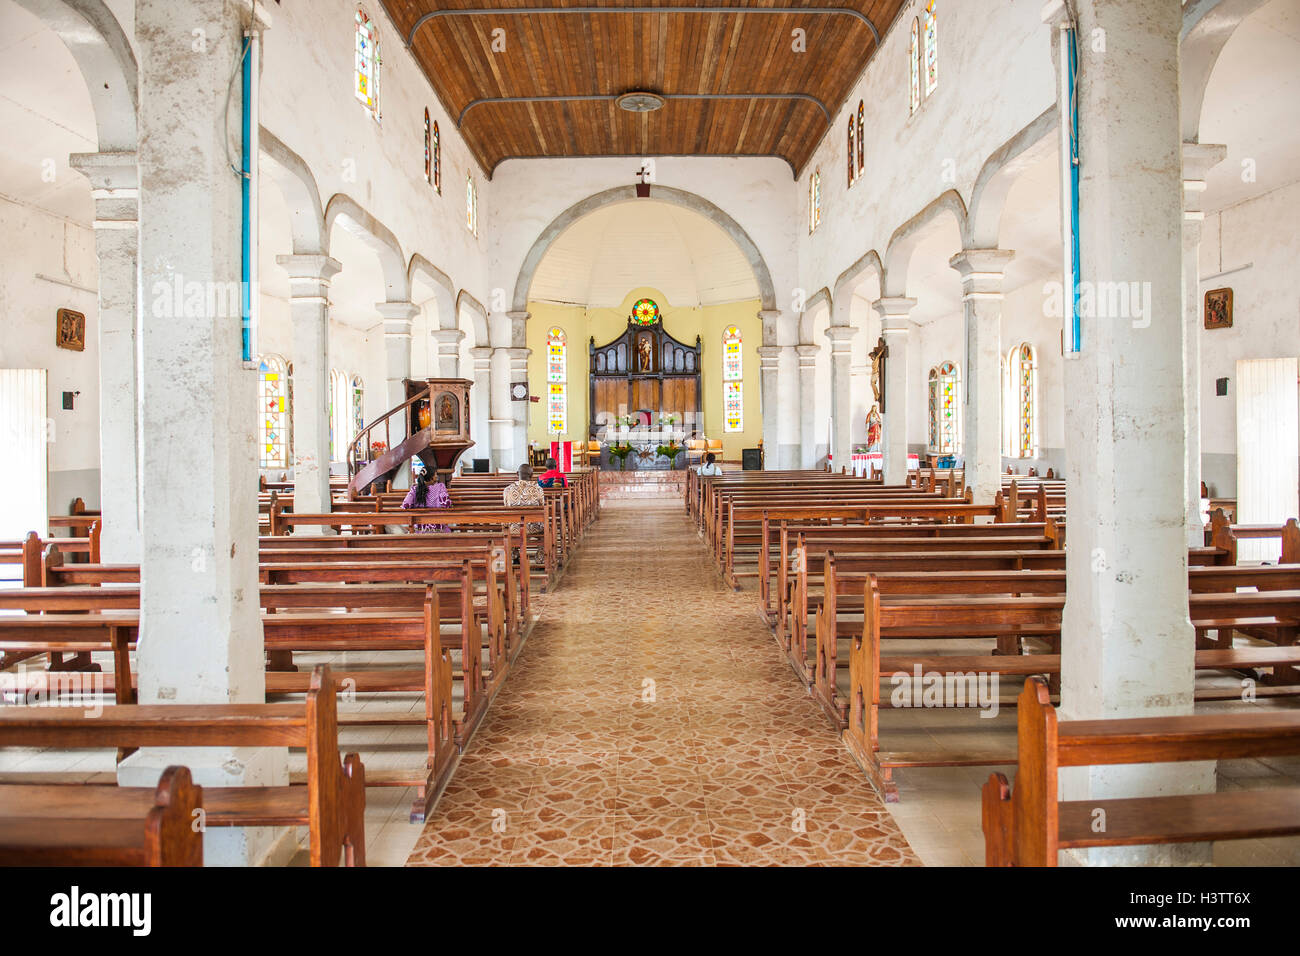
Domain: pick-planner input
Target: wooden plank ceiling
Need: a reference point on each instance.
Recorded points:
(746, 55)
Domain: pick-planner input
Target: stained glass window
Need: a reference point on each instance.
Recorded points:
(471, 204)
(367, 64)
(853, 148)
(931, 47)
(437, 159)
(645, 312)
(945, 416)
(428, 150)
(358, 390)
(733, 386)
(273, 393)
(814, 201)
(557, 401)
(1026, 372)
(862, 153)
(914, 64)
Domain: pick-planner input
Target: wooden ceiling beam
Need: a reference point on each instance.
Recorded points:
(640, 10)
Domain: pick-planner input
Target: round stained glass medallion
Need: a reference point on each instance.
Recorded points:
(645, 312)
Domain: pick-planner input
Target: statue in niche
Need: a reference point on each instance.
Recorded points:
(643, 354)
(446, 413)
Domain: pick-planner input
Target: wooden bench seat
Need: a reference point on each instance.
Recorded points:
(1029, 825)
(331, 805)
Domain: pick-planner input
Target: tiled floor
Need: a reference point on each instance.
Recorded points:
(650, 721)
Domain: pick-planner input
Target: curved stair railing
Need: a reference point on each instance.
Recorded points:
(363, 470)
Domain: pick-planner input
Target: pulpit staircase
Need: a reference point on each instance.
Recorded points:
(407, 432)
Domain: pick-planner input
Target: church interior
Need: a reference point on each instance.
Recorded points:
(759, 433)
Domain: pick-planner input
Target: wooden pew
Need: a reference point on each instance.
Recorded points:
(331, 805)
(1225, 535)
(1029, 825)
(82, 826)
(1036, 615)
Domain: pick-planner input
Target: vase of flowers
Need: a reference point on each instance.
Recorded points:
(620, 451)
(670, 451)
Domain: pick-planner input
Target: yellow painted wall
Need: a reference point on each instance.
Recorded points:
(580, 324)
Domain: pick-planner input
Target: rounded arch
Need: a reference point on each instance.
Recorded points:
(476, 315)
(999, 174)
(343, 211)
(869, 264)
(669, 194)
(1207, 26)
(898, 254)
(293, 178)
(103, 53)
(444, 290)
(821, 299)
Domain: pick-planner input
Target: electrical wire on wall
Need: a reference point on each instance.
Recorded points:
(246, 69)
(1072, 333)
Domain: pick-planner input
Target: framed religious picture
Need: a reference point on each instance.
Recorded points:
(1218, 309)
(70, 330)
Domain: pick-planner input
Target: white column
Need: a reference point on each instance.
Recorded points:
(518, 356)
(896, 328)
(481, 402)
(841, 339)
(399, 319)
(981, 273)
(769, 383)
(1127, 643)
(1198, 159)
(448, 351)
(200, 624)
(309, 310)
(114, 187)
(809, 427)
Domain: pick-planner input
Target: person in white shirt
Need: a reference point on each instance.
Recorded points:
(709, 468)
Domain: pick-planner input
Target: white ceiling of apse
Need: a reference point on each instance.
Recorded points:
(606, 254)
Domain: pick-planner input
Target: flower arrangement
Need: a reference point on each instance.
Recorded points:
(669, 451)
(628, 421)
(667, 421)
(620, 451)
(377, 448)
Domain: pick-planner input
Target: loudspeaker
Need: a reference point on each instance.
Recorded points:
(751, 459)
(481, 466)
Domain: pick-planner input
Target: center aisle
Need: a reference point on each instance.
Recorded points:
(650, 721)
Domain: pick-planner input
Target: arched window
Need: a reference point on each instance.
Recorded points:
(366, 85)
(945, 412)
(930, 31)
(733, 384)
(275, 411)
(914, 65)
(428, 149)
(437, 159)
(471, 204)
(853, 148)
(814, 201)
(1020, 405)
(346, 396)
(862, 153)
(557, 375)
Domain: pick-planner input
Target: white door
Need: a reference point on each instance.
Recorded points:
(24, 476)
(1268, 449)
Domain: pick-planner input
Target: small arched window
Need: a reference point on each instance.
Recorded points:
(733, 384)
(347, 394)
(862, 154)
(428, 149)
(275, 412)
(945, 411)
(557, 377)
(471, 204)
(914, 65)
(366, 83)
(437, 159)
(1020, 405)
(853, 148)
(357, 390)
(930, 39)
(814, 201)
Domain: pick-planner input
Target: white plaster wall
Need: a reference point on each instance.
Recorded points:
(34, 243)
(1260, 232)
(527, 195)
(307, 102)
(995, 77)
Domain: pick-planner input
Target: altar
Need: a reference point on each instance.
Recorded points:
(644, 394)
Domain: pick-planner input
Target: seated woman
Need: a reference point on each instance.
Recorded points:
(551, 475)
(425, 495)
